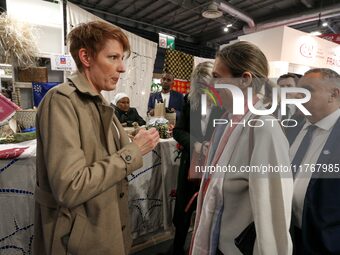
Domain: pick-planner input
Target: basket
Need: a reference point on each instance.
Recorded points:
(26, 118)
(33, 74)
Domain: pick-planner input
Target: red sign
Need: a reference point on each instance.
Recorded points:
(7, 109)
(331, 37)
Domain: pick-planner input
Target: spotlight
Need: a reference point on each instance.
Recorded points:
(212, 12)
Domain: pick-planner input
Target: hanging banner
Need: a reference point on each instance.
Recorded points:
(331, 37)
(181, 86)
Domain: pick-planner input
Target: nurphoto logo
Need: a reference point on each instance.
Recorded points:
(239, 109)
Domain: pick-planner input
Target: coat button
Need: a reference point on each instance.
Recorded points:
(123, 227)
(128, 158)
(121, 195)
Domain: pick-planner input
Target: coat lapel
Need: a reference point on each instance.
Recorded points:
(328, 152)
(124, 139)
(107, 114)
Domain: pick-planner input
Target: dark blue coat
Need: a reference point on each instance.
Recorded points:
(321, 210)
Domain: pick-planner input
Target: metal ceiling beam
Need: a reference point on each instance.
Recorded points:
(164, 29)
(219, 22)
(209, 27)
(130, 6)
(160, 11)
(187, 9)
(308, 3)
(113, 5)
(160, 16)
(305, 17)
(185, 21)
(196, 24)
(231, 10)
(127, 5)
(223, 38)
(139, 10)
(262, 5)
(164, 7)
(149, 9)
(97, 2)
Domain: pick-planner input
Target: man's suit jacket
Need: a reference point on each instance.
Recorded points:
(176, 101)
(321, 210)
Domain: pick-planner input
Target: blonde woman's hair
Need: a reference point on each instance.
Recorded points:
(200, 78)
(243, 57)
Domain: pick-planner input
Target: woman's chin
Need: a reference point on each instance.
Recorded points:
(111, 87)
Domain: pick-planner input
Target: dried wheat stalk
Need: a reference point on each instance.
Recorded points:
(17, 42)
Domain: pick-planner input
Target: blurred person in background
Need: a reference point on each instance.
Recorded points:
(173, 99)
(125, 114)
(289, 81)
(315, 149)
(192, 131)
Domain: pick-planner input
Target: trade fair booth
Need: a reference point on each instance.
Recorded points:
(293, 51)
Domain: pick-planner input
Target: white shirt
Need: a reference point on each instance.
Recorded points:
(290, 112)
(166, 98)
(319, 138)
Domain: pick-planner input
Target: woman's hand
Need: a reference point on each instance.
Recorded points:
(198, 147)
(146, 140)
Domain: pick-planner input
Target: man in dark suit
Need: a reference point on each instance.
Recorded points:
(173, 99)
(288, 80)
(315, 150)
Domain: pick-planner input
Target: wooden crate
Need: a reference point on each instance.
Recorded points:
(33, 74)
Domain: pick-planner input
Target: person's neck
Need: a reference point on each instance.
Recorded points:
(86, 73)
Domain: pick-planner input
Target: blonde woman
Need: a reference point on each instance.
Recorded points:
(230, 201)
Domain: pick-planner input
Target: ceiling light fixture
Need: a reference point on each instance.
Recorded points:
(229, 25)
(324, 24)
(226, 29)
(212, 12)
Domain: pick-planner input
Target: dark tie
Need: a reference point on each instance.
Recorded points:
(301, 152)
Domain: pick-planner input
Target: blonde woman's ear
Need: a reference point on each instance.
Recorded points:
(245, 80)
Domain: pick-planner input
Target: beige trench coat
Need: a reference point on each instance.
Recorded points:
(81, 194)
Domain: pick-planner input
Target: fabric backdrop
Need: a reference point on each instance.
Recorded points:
(179, 64)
